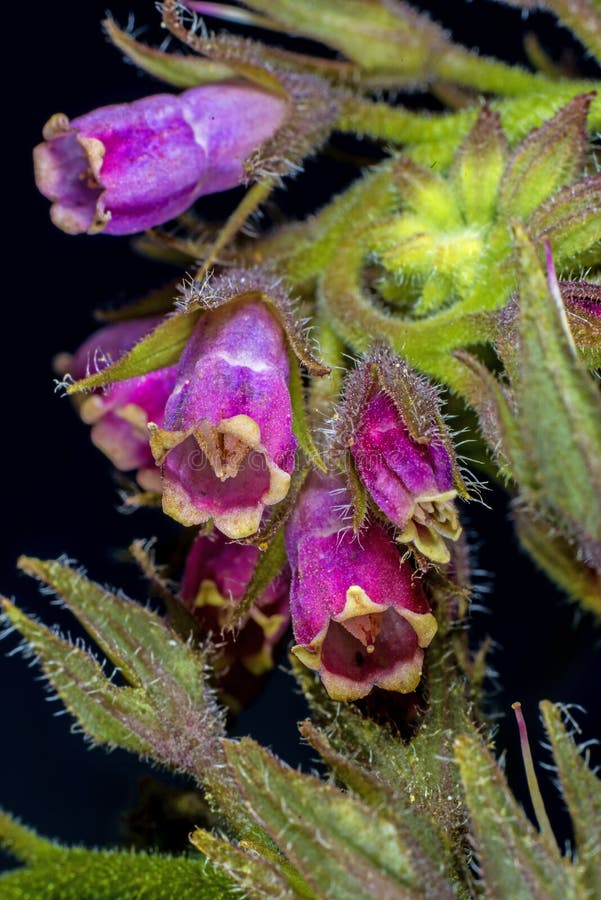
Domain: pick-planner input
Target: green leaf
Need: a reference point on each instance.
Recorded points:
(581, 789)
(559, 407)
(159, 349)
(342, 847)
(515, 861)
(557, 557)
(54, 872)
(166, 710)
(548, 158)
(174, 68)
(23, 843)
(107, 714)
(78, 874)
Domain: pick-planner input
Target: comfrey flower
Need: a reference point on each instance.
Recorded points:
(215, 579)
(226, 447)
(130, 166)
(119, 414)
(360, 616)
(401, 451)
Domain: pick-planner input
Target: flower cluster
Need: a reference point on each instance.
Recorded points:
(211, 430)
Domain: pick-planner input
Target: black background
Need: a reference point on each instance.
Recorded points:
(57, 490)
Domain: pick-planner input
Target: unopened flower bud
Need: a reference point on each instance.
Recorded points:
(130, 166)
(401, 451)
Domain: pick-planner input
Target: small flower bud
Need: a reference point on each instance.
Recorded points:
(360, 616)
(119, 414)
(130, 166)
(401, 451)
(227, 447)
(216, 575)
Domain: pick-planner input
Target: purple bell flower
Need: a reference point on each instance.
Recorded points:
(131, 166)
(226, 447)
(216, 575)
(119, 414)
(361, 618)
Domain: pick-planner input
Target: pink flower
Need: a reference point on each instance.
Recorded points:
(130, 166)
(226, 447)
(216, 576)
(401, 451)
(360, 616)
(119, 413)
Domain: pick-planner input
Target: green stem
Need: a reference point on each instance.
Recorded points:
(325, 391)
(486, 75)
(436, 135)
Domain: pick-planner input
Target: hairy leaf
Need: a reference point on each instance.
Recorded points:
(161, 348)
(342, 847)
(514, 859)
(582, 792)
(166, 709)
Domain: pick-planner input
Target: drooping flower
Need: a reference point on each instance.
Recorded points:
(360, 616)
(226, 447)
(119, 414)
(401, 451)
(130, 166)
(216, 575)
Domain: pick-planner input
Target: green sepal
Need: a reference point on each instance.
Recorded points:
(515, 861)
(174, 68)
(156, 303)
(478, 166)
(548, 158)
(427, 193)
(559, 406)
(157, 350)
(54, 872)
(570, 221)
(300, 421)
(367, 33)
(581, 790)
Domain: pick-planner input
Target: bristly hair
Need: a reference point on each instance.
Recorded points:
(416, 399)
(314, 102)
(259, 283)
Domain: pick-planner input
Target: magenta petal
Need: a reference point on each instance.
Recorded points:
(216, 575)
(120, 413)
(360, 615)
